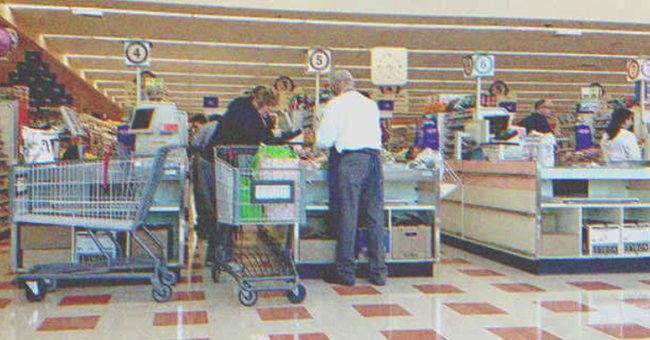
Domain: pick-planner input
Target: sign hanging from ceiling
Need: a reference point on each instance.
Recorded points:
(137, 53)
(319, 61)
(389, 66)
(211, 102)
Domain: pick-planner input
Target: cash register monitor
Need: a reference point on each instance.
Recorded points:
(498, 124)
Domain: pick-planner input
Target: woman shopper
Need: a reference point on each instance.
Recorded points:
(618, 143)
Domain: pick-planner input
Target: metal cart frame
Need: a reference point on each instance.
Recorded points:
(111, 198)
(266, 196)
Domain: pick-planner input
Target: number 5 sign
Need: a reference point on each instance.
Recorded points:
(319, 61)
(137, 53)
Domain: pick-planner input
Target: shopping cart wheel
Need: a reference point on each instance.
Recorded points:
(161, 293)
(216, 273)
(247, 297)
(168, 277)
(35, 291)
(50, 284)
(298, 296)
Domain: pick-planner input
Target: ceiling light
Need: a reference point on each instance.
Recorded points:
(87, 12)
(566, 32)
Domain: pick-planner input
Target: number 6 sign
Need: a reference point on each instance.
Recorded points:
(319, 61)
(137, 53)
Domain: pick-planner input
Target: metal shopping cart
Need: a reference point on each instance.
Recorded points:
(264, 194)
(105, 201)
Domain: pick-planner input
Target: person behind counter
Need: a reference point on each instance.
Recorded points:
(351, 124)
(618, 143)
(538, 119)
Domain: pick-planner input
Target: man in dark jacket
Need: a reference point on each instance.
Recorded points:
(538, 120)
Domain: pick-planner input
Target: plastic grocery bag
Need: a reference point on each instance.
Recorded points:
(279, 164)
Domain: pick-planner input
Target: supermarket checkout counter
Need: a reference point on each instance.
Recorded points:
(411, 239)
(552, 220)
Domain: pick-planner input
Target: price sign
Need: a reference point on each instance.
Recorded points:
(319, 61)
(137, 53)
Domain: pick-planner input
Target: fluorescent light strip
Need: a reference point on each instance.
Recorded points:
(188, 61)
(335, 49)
(335, 23)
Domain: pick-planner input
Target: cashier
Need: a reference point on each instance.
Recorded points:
(618, 143)
(538, 119)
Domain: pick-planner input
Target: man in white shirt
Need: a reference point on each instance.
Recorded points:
(351, 124)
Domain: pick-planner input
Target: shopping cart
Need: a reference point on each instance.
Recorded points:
(104, 201)
(263, 194)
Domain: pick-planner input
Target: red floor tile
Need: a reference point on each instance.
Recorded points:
(189, 296)
(594, 285)
(4, 303)
(476, 308)
(454, 260)
(566, 307)
(272, 294)
(193, 279)
(518, 288)
(8, 286)
(195, 265)
(283, 313)
(412, 334)
(645, 281)
(69, 324)
(380, 310)
(624, 331)
(183, 318)
(80, 300)
(438, 289)
(302, 336)
(522, 333)
(641, 303)
(356, 290)
(480, 272)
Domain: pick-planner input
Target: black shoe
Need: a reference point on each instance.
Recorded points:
(377, 280)
(338, 280)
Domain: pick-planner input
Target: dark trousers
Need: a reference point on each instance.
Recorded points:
(219, 235)
(361, 202)
(332, 177)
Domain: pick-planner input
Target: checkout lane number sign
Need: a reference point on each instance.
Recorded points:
(137, 53)
(319, 61)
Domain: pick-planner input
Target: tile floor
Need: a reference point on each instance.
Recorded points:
(469, 298)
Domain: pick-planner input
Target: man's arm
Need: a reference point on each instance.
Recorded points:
(327, 131)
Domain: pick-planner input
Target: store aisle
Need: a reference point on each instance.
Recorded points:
(469, 298)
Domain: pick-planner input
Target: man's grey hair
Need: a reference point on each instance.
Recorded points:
(340, 76)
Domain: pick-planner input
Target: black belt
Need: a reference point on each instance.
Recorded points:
(365, 150)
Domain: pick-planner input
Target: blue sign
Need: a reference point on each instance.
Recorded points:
(429, 134)
(584, 139)
(386, 105)
(210, 102)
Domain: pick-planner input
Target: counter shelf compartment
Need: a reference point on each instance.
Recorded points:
(561, 232)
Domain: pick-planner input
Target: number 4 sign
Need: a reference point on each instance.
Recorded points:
(137, 53)
(319, 61)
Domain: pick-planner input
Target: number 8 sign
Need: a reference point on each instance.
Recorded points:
(137, 53)
(319, 61)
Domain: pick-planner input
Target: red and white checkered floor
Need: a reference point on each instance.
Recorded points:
(469, 298)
